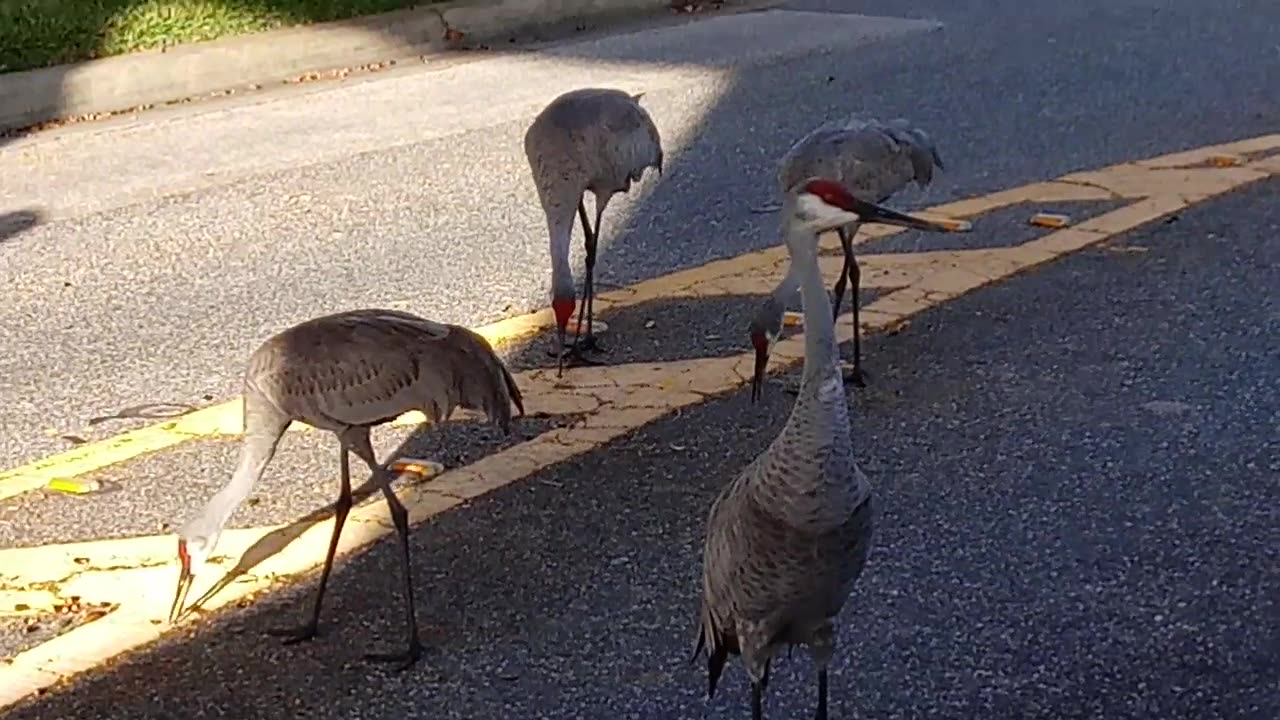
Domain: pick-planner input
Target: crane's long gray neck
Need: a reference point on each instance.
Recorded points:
(560, 227)
(257, 449)
(820, 351)
(809, 477)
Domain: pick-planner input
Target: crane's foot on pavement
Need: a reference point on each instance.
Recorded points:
(580, 353)
(403, 660)
(295, 635)
(853, 375)
(591, 344)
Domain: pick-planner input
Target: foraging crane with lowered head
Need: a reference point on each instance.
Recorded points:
(875, 160)
(596, 140)
(789, 536)
(347, 373)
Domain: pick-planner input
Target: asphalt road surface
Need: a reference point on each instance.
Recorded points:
(1077, 468)
(186, 240)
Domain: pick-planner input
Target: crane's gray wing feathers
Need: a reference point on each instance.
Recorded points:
(717, 631)
(739, 612)
(333, 370)
(767, 582)
(597, 138)
(872, 158)
(365, 367)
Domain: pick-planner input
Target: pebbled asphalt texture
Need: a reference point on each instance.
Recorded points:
(1076, 477)
(1076, 468)
(146, 287)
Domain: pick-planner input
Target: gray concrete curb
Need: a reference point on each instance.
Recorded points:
(159, 76)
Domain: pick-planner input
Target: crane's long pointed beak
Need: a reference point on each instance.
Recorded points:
(180, 597)
(870, 212)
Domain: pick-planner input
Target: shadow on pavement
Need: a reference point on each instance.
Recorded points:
(656, 331)
(458, 443)
(668, 330)
(1045, 546)
(14, 224)
(1073, 519)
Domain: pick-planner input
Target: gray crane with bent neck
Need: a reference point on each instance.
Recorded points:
(789, 536)
(874, 160)
(347, 373)
(597, 140)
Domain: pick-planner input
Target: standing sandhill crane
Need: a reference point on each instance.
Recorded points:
(874, 160)
(346, 373)
(787, 538)
(592, 139)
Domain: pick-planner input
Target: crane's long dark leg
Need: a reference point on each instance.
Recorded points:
(400, 518)
(592, 342)
(758, 688)
(822, 695)
(851, 274)
(341, 507)
(581, 343)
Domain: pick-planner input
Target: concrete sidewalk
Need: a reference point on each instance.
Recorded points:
(160, 76)
(85, 172)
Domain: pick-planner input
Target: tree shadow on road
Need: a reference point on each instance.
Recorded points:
(575, 588)
(573, 591)
(459, 442)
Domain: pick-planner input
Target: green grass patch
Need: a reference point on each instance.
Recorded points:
(38, 33)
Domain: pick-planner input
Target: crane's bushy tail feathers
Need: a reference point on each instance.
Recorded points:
(716, 660)
(718, 646)
(700, 644)
(920, 149)
(486, 383)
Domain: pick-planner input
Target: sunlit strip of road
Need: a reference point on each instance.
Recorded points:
(224, 418)
(134, 576)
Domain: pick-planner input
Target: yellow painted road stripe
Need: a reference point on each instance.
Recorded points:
(1179, 174)
(136, 574)
(221, 419)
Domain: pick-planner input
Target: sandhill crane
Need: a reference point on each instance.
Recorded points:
(591, 139)
(874, 160)
(766, 326)
(346, 373)
(789, 536)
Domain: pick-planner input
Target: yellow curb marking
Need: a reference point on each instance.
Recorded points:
(26, 602)
(221, 419)
(137, 573)
(225, 418)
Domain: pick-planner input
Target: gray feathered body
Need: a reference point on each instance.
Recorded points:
(787, 539)
(592, 139)
(366, 367)
(873, 159)
(346, 373)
